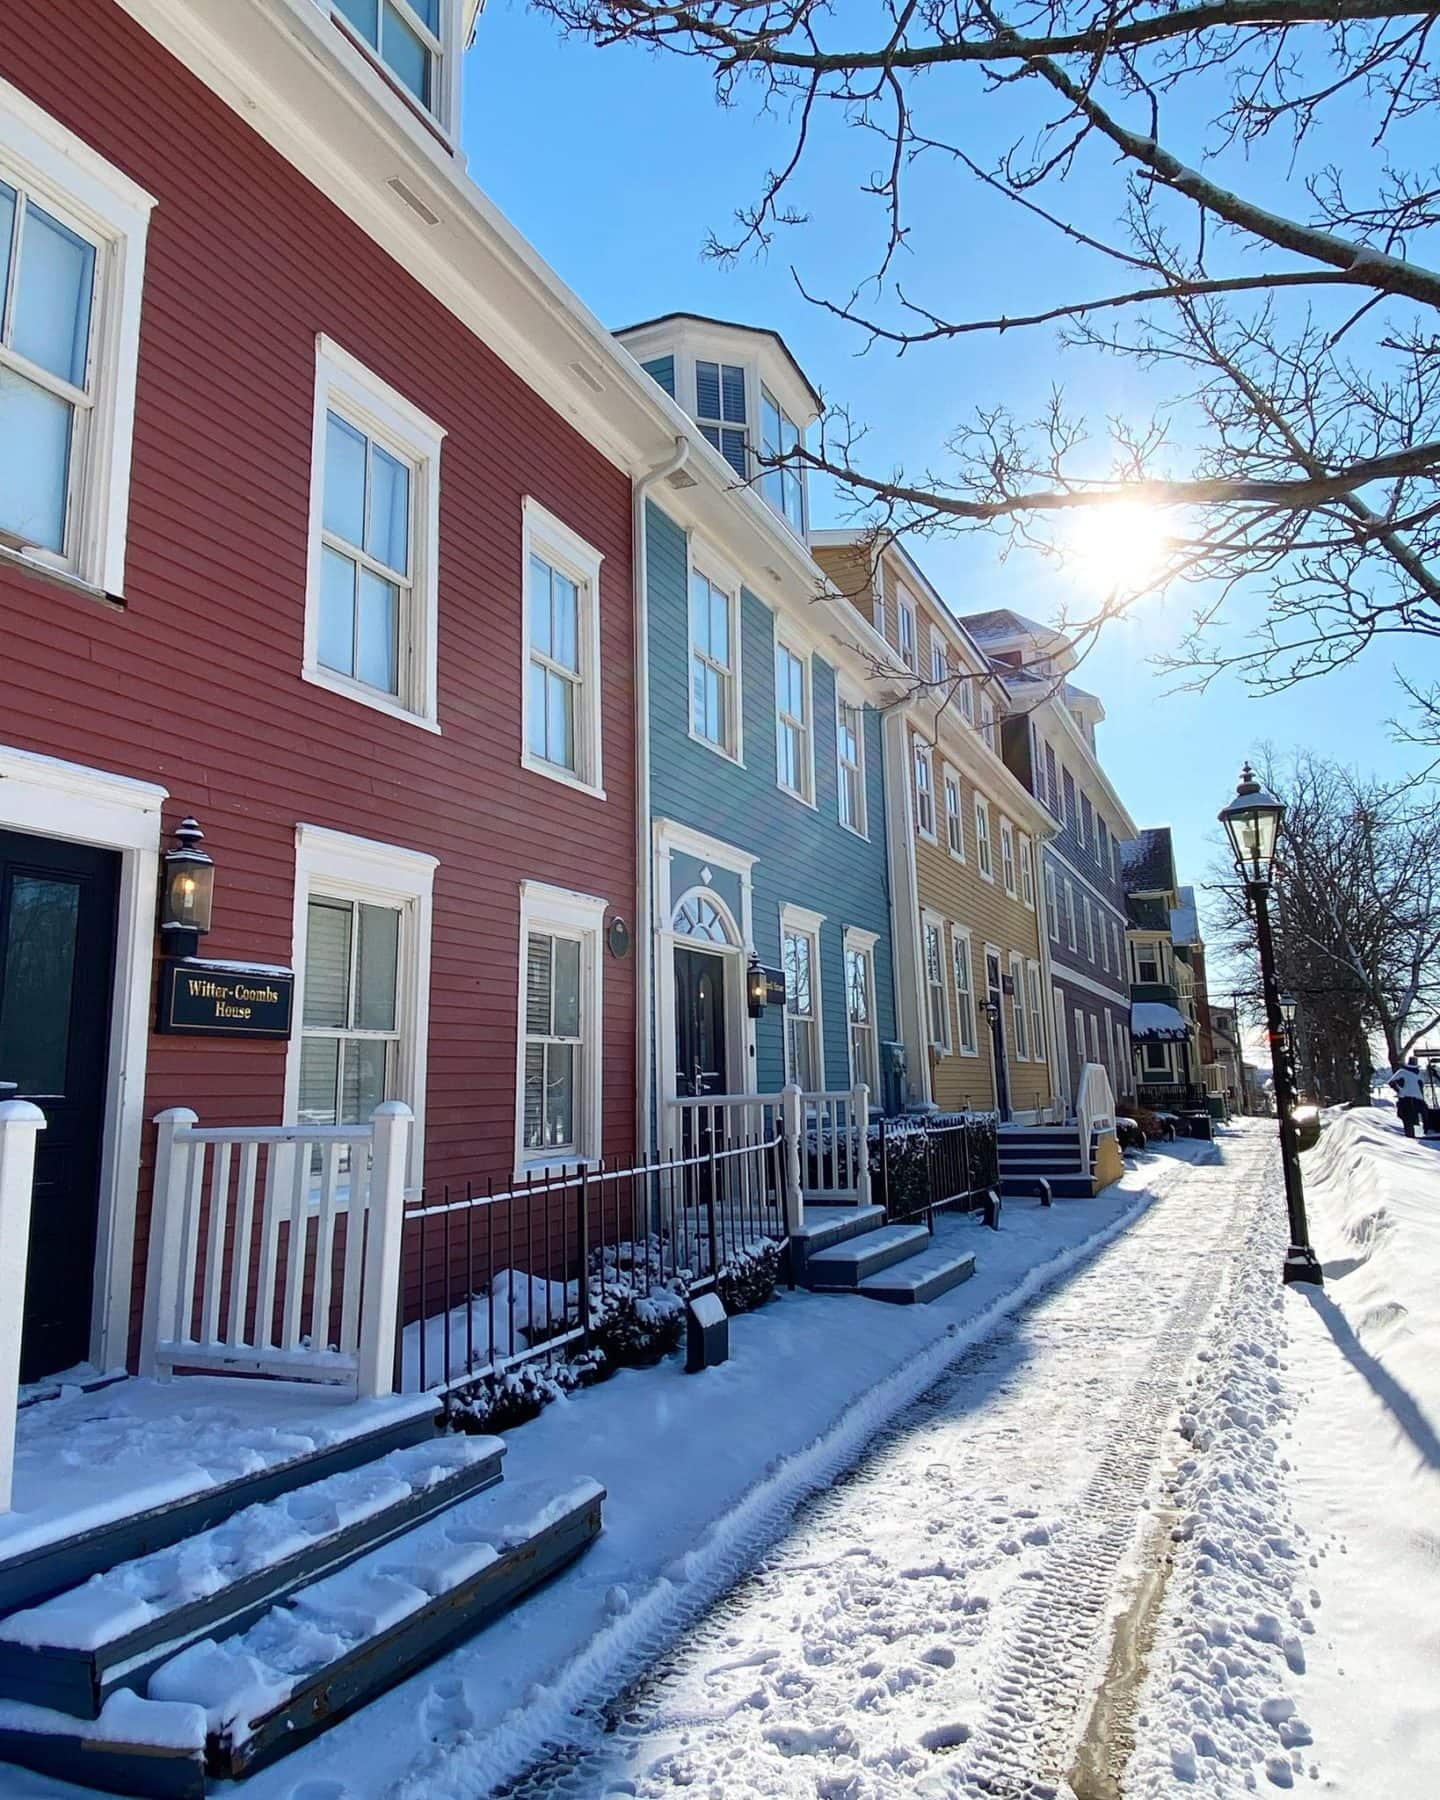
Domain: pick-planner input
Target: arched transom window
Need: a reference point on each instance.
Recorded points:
(698, 917)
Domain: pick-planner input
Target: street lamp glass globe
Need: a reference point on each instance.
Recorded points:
(1288, 1008)
(1252, 823)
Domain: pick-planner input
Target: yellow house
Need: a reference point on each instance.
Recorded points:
(972, 967)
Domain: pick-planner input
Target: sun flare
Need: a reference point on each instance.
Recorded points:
(1118, 546)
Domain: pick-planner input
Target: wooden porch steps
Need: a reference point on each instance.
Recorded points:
(1051, 1153)
(853, 1250)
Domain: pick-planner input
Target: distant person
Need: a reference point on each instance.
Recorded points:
(1409, 1095)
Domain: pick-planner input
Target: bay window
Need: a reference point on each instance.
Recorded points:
(407, 37)
(720, 411)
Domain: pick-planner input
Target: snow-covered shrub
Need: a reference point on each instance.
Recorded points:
(747, 1277)
(502, 1400)
(636, 1314)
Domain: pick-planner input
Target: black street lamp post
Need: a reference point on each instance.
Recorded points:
(1252, 822)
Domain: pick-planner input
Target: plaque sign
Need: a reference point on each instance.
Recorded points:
(774, 987)
(200, 999)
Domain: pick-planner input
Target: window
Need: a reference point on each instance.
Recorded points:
(558, 1106)
(924, 791)
(939, 662)
(1052, 904)
(983, 857)
(720, 411)
(1147, 957)
(1122, 1061)
(987, 722)
(909, 654)
(1157, 1059)
(562, 607)
(1062, 1064)
(1071, 937)
(72, 259)
(795, 770)
(1068, 790)
(1052, 782)
(1105, 944)
(964, 989)
(1007, 857)
(850, 757)
(860, 1006)
(1089, 929)
(1037, 1012)
(800, 957)
(362, 960)
(1079, 1024)
(714, 716)
(1027, 872)
(784, 487)
(954, 816)
(937, 1006)
(1102, 844)
(1087, 821)
(1021, 1034)
(1119, 949)
(407, 36)
(967, 700)
(374, 541)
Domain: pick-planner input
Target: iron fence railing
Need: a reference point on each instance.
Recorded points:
(920, 1167)
(492, 1279)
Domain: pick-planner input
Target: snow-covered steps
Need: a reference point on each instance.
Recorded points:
(1052, 1152)
(73, 1651)
(920, 1278)
(338, 1642)
(844, 1266)
(136, 1746)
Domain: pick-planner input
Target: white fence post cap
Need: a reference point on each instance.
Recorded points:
(21, 1112)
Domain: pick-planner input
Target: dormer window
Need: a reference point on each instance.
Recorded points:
(784, 488)
(407, 38)
(720, 411)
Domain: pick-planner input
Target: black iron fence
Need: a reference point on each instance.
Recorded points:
(919, 1167)
(489, 1280)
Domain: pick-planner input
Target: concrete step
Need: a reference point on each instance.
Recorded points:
(920, 1278)
(1030, 1156)
(826, 1226)
(1038, 1134)
(844, 1266)
(1070, 1186)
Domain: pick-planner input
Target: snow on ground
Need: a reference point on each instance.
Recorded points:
(1299, 1639)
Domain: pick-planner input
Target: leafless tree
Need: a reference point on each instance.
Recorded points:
(1357, 915)
(1296, 456)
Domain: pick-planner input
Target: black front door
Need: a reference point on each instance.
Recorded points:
(701, 1066)
(57, 958)
(995, 989)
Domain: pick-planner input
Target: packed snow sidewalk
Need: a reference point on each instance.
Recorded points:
(1299, 1639)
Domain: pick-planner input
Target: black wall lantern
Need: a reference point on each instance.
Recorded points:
(756, 986)
(188, 891)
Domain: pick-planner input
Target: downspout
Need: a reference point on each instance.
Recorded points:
(644, 856)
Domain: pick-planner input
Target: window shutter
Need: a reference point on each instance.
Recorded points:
(537, 984)
(327, 963)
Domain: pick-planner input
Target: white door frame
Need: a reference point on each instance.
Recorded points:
(75, 804)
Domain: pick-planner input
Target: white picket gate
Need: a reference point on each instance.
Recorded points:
(275, 1250)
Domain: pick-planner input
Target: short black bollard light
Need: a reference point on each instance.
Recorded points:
(707, 1333)
(990, 1208)
(1042, 1188)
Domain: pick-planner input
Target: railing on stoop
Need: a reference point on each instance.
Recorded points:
(826, 1157)
(275, 1250)
(1094, 1109)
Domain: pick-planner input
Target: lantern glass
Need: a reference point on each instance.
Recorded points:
(756, 988)
(1288, 1008)
(189, 891)
(1252, 823)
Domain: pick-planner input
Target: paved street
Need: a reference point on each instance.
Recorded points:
(936, 1623)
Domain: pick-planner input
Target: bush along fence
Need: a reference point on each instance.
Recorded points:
(586, 1269)
(922, 1166)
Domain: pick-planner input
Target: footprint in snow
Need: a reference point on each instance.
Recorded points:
(444, 1713)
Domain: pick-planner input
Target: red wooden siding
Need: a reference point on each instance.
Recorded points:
(197, 684)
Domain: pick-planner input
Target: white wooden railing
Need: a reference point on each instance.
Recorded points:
(275, 1250)
(1094, 1109)
(19, 1123)
(826, 1159)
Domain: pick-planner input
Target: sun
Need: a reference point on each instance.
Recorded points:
(1118, 546)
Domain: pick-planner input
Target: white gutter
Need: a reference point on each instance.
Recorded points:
(644, 857)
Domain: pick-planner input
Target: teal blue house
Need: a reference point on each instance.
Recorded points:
(766, 774)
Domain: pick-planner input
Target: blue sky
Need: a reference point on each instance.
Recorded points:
(616, 163)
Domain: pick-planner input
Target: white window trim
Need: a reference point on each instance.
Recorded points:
(984, 844)
(801, 921)
(61, 169)
(805, 795)
(354, 868)
(720, 575)
(1019, 1010)
(845, 696)
(1035, 992)
(923, 753)
(1089, 927)
(907, 609)
(551, 539)
(1009, 882)
(376, 406)
(854, 938)
(1027, 870)
(444, 117)
(1072, 938)
(957, 933)
(949, 773)
(564, 910)
(933, 921)
(1052, 902)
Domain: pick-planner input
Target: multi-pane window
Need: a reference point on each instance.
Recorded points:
(909, 653)
(792, 721)
(712, 663)
(939, 662)
(860, 1005)
(954, 816)
(406, 36)
(1027, 872)
(1052, 782)
(783, 487)
(937, 1006)
(1094, 1038)
(1071, 935)
(964, 991)
(365, 580)
(1019, 1027)
(720, 411)
(1007, 856)
(554, 1044)
(1102, 843)
(1087, 820)
(1089, 929)
(924, 791)
(802, 1037)
(967, 700)
(983, 856)
(1052, 904)
(1067, 783)
(1147, 962)
(555, 686)
(1037, 1013)
(350, 1029)
(850, 761)
(47, 386)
